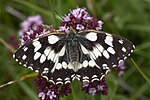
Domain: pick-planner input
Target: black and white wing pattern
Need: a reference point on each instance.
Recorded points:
(85, 55)
(101, 51)
(46, 55)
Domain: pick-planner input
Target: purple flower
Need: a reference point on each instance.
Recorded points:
(96, 87)
(42, 95)
(32, 22)
(32, 27)
(80, 27)
(49, 91)
(79, 19)
(51, 95)
(92, 91)
(64, 29)
(120, 68)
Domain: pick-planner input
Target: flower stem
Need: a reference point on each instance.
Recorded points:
(73, 93)
(144, 76)
(10, 48)
(20, 79)
(37, 8)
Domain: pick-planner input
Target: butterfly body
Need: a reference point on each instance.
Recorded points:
(85, 55)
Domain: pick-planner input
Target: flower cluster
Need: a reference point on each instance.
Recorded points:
(49, 91)
(96, 87)
(32, 28)
(32, 22)
(79, 19)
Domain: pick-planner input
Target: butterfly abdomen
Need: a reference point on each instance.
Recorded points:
(73, 51)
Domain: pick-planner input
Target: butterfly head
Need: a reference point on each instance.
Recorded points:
(72, 30)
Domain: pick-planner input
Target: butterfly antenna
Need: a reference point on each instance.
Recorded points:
(58, 14)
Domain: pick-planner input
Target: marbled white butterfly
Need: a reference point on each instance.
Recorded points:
(85, 55)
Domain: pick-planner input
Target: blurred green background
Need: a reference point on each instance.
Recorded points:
(128, 18)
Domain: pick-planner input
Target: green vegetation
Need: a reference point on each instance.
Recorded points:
(128, 18)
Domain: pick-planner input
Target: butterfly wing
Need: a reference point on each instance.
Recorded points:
(44, 55)
(99, 51)
(105, 51)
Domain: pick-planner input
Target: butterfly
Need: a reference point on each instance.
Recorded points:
(86, 55)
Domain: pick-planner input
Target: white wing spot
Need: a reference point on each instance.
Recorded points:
(96, 52)
(125, 58)
(13, 55)
(92, 55)
(109, 40)
(52, 39)
(94, 76)
(100, 47)
(64, 64)
(111, 50)
(108, 34)
(120, 41)
(25, 49)
(85, 77)
(120, 61)
(70, 66)
(36, 70)
(91, 63)
(43, 58)
(85, 63)
(123, 49)
(24, 57)
(92, 36)
(106, 55)
(30, 67)
(24, 65)
(45, 71)
(114, 65)
(62, 52)
(67, 78)
(56, 57)
(36, 43)
(105, 66)
(20, 63)
(47, 51)
(36, 55)
(51, 55)
(133, 46)
(53, 69)
(59, 66)
(84, 50)
(37, 48)
(59, 79)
